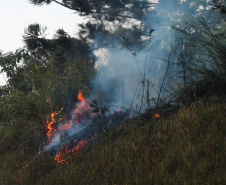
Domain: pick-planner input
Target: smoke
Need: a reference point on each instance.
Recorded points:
(71, 130)
(64, 136)
(134, 79)
(120, 78)
(124, 71)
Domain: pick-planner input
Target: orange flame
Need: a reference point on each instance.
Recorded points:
(81, 109)
(80, 96)
(81, 112)
(80, 145)
(157, 115)
(50, 127)
(59, 158)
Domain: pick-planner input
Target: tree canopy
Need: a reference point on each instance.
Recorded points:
(103, 9)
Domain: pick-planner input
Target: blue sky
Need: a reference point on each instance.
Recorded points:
(15, 15)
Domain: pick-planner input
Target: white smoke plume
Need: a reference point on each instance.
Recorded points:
(124, 71)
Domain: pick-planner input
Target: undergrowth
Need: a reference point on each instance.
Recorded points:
(185, 148)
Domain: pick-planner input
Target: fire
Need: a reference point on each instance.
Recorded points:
(80, 96)
(59, 158)
(66, 125)
(22, 169)
(81, 112)
(50, 124)
(39, 151)
(157, 115)
(80, 145)
(81, 115)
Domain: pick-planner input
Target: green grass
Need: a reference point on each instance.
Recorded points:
(185, 148)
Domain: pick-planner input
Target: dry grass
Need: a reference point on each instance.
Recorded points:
(187, 148)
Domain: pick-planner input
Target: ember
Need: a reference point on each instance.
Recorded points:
(157, 115)
(60, 156)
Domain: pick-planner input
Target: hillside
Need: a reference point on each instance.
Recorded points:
(185, 148)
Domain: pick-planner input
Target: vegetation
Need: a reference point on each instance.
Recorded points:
(175, 142)
(184, 148)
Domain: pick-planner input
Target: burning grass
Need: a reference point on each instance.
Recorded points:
(186, 148)
(62, 140)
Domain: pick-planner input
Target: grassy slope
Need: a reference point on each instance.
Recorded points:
(186, 148)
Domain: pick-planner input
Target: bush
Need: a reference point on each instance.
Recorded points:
(202, 60)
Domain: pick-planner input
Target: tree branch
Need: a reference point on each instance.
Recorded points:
(92, 12)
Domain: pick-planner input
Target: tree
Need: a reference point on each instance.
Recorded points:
(219, 5)
(55, 68)
(15, 72)
(111, 19)
(103, 9)
(60, 49)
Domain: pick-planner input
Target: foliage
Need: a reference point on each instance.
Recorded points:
(60, 49)
(60, 89)
(103, 9)
(45, 76)
(202, 59)
(110, 19)
(55, 68)
(219, 6)
(41, 54)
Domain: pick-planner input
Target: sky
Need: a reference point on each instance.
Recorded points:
(16, 15)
